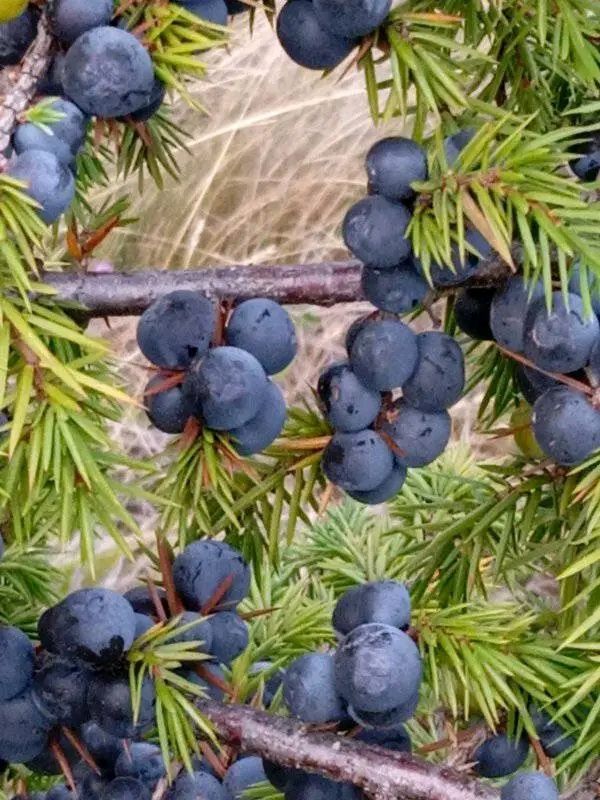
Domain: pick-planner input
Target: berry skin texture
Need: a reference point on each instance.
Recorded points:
(169, 410)
(60, 688)
(66, 134)
(227, 388)
(142, 761)
(230, 636)
(265, 329)
(11, 9)
(357, 462)
(242, 775)
(143, 623)
(566, 426)
(533, 383)
(398, 290)
(126, 789)
(151, 105)
(420, 436)
(439, 378)
(348, 404)
(141, 600)
(262, 430)
(385, 491)
(196, 785)
(456, 143)
(281, 777)
(210, 10)
(442, 276)
(16, 35)
(386, 602)
(72, 126)
(315, 787)
(472, 313)
(552, 736)
(236, 7)
(393, 164)
(23, 729)
(306, 41)
(176, 329)
(384, 355)
(201, 569)
(385, 720)
(108, 73)
(49, 183)
(51, 84)
(509, 310)
(530, 786)
(16, 662)
(499, 756)
(95, 625)
(31, 137)
(110, 705)
(355, 328)
(396, 739)
(586, 166)
(71, 18)
(59, 792)
(351, 18)
(374, 231)
(378, 669)
(103, 747)
(201, 630)
(560, 340)
(309, 689)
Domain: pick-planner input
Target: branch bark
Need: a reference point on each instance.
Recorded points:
(380, 773)
(322, 284)
(19, 84)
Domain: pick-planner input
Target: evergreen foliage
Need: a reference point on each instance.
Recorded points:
(471, 540)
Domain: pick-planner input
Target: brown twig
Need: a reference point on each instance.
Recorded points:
(322, 284)
(166, 569)
(383, 774)
(543, 762)
(156, 601)
(219, 593)
(81, 749)
(63, 763)
(21, 83)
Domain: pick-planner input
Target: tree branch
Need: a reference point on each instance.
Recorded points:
(322, 284)
(19, 84)
(380, 773)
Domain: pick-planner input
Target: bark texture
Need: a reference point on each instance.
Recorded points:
(18, 85)
(323, 284)
(382, 774)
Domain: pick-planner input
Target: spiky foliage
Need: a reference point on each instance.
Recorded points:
(473, 541)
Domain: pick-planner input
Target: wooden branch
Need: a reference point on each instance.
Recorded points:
(382, 774)
(324, 284)
(19, 84)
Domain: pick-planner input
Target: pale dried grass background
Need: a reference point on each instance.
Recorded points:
(272, 168)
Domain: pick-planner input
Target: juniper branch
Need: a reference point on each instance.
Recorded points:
(18, 85)
(382, 774)
(322, 284)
